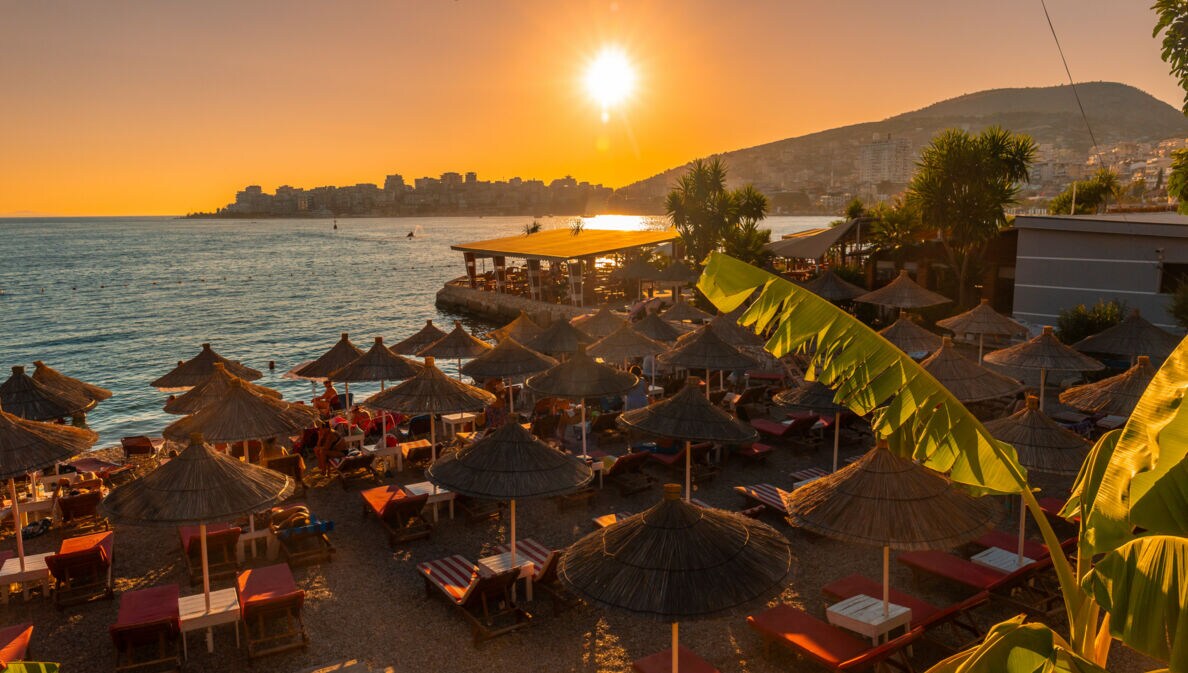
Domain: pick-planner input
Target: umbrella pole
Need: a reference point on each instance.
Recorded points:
(886, 580)
(836, 436)
(205, 565)
(459, 369)
(707, 382)
(1043, 384)
(584, 454)
(981, 338)
(433, 443)
(675, 640)
(688, 472)
(1022, 530)
(511, 400)
(513, 532)
(16, 523)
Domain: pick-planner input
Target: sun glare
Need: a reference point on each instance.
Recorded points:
(610, 79)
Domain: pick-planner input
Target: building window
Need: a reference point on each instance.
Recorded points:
(1171, 276)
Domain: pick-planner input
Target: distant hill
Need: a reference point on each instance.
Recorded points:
(827, 160)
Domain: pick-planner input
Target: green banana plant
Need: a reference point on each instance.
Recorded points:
(1125, 482)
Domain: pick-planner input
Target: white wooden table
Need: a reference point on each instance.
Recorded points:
(248, 540)
(864, 614)
(436, 494)
(1000, 559)
(502, 563)
(35, 572)
(44, 507)
(453, 422)
(224, 609)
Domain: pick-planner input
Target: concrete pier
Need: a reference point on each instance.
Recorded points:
(500, 308)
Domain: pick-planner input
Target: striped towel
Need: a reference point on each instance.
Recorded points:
(529, 550)
(765, 493)
(802, 477)
(454, 575)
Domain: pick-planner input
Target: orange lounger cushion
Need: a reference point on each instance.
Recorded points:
(825, 643)
(661, 662)
(189, 534)
(377, 499)
(266, 587)
(14, 642)
(96, 545)
(143, 611)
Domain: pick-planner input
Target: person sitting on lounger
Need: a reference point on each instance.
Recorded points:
(328, 400)
(330, 446)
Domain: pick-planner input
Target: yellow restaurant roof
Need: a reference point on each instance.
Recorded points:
(563, 244)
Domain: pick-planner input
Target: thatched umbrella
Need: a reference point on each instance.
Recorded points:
(904, 293)
(379, 363)
(241, 416)
(27, 446)
(1044, 352)
(704, 349)
(24, 396)
(636, 269)
(558, 339)
(1116, 395)
(599, 324)
(521, 329)
(48, 376)
(678, 561)
(966, 379)
(199, 486)
(654, 327)
(623, 344)
(340, 355)
(1042, 444)
(580, 377)
(682, 310)
(891, 502)
(1132, 337)
(424, 337)
(690, 417)
(910, 337)
(212, 390)
(828, 285)
(510, 464)
(430, 392)
(678, 272)
(197, 369)
(982, 320)
(726, 326)
(817, 397)
(457, 345)
(510, 359)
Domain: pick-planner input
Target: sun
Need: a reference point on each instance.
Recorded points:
(610, 78)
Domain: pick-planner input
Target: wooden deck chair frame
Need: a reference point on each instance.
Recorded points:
(404, 520)
(222, 553)
(257, 620)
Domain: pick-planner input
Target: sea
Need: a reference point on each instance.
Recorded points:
(118, 301)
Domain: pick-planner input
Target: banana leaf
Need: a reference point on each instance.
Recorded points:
(1017, 647)
(918, 416)
(1143, 585)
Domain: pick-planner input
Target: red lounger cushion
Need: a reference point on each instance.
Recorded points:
(145, 608)
(846, 587)
(828, 644)
(1010, 541)
(215, 532)
(769, 427)
(266, 587)
(453, 574)
(96, 545)
(661, 662)
(377, 499)
(953, 568)
(14, 642)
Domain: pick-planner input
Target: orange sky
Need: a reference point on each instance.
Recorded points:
(168, 107)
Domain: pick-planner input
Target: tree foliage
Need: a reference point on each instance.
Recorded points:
(895, 226)
(1177, 180)
(710, 217)
(1093, 195)
(962, 186)
(1172, 21)
(1178, 307)
(1082, 321)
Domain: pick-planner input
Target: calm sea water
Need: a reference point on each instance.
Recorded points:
(118, 301)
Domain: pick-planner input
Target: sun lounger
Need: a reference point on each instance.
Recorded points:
(82, 511)
(1032, 549)
(755, 451)
(832, 647)
(147, 629)
(301, 535)
(139, 447)
(270, 607)
(222, 543)
(291, 466)
(765, 494)
(82, 568)
(14, 643)
(546, 578)
(399, 512)
(1022, 588)
(354, 466)
(795, 426)
(661, 662)
(807, 476)
(625, 473)
(925, 615)
(477, 596)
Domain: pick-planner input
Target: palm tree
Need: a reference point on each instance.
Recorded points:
(962, 187)
(710, 217)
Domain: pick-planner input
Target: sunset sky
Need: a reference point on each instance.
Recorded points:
(169, 107)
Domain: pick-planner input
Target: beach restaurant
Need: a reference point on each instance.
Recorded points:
(560, 266)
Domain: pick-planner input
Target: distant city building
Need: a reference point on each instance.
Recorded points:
(885, 159)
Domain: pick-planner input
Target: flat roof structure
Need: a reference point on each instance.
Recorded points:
(562, 244)
(811, 244)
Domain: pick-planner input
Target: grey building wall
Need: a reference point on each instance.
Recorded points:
(1063, 261)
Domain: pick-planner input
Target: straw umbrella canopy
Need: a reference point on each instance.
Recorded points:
(197, 369)
(559, 338)
(816, 397)
(678, 272)
(828, 285)
(1116, 395)
(704, 349)
(678, 561)
(48, 376)
(24, 396)
(624, 344)
(510, 464)
(212, 390)
(1132, 337)
(637, 269)
(1044, 352)
(904, 293)
(28, 445)
(340, 355)
(521, 329)
(982, 320)
(690, 417)
(580, 377)
(456, 345)
(510, 359)
(431, 392)
(654, 327)
(910, 337)
(241, 415)
(599, 324)
(891, 502)
(683, 310)
(424, 337)
(199, 486)
(379, 363)
(966, 379)
(726, 325)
